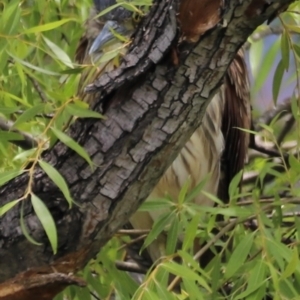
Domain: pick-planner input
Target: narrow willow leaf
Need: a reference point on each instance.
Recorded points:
(72, 144)
(185, 272)
(163, 292)
(158, 226)
(33, 67)
(172, 236)
(189, 260)
(292, 265)
(265, 66)
(256, 279)
(29, 113)
(191, 232)
(255, 56)
(197, 189)
(59, 53)
(78, 111)
(8, 175)
(277, 81)
(183, 191)
(10, 136)
(235, 184)
(156, 204)
(57, 179)
(6, 207)
(194, 293)
(25, 230)
(48, 26)
(239, 255)
(285, 50)
(107, 10)
(294, 163)
(46, 220)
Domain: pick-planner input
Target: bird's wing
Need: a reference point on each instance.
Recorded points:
(237, 115)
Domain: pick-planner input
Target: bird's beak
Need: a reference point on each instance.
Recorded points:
(106, 35)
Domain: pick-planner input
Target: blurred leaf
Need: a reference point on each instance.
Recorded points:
(46, 220)
(72, 144)
(172, 237)
(49, 26)
(29, 113)
(8, 175)
(59, 53)
(6, 207)
(239, 255)
(159, 226)
(78, 111)
(285, 50)
(277, 80)
(56, 177)
(25, 230)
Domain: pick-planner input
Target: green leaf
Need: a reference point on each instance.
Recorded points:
(285, 50)
(172, 236)
(48, 26)
(197, 189)
(72, 144)
(156, 204)
(239, 255)
(235, 184)
(265, 66)
(158, 226)
(79, 111)
(277, 80)
(8, 175)
(33, 67)
(29, 113)
(292, 264)
(191, 232)
(194, 293)
(56, 177)
(59, 53)
(6, 207)
(185, 272)
(255, 281)
(183, 191)
(294, 163)
(25, 230)
(46, 220)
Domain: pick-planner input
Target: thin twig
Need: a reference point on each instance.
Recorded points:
(133, 231)
(37, 88)
(130, 267)
(283, 108)
(133, 241)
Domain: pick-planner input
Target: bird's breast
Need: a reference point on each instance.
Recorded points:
(198, 160)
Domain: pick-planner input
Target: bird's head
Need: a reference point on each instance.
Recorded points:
(118, 21)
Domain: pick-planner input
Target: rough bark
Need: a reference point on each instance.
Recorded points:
(143, 133)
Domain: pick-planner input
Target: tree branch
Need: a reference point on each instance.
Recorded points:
(132, 148)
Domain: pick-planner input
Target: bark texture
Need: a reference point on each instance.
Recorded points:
(153, 105)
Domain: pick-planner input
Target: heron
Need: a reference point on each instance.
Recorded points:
(218, 147)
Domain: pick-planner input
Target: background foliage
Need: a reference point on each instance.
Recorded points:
(258, 255)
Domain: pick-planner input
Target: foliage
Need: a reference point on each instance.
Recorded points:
(255, 246)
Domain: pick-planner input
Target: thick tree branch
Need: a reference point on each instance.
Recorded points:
(142, 135)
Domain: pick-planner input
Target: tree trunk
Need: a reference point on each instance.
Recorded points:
(152, 106)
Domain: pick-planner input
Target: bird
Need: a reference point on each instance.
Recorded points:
(104, 42)
(217, 147)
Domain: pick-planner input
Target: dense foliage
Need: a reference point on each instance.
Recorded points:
(256, 244)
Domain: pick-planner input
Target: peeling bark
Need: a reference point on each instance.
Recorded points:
(131, 149)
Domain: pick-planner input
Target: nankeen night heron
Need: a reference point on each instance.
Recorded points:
(218, 147)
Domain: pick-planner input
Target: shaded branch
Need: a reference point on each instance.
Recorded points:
(131, 149)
